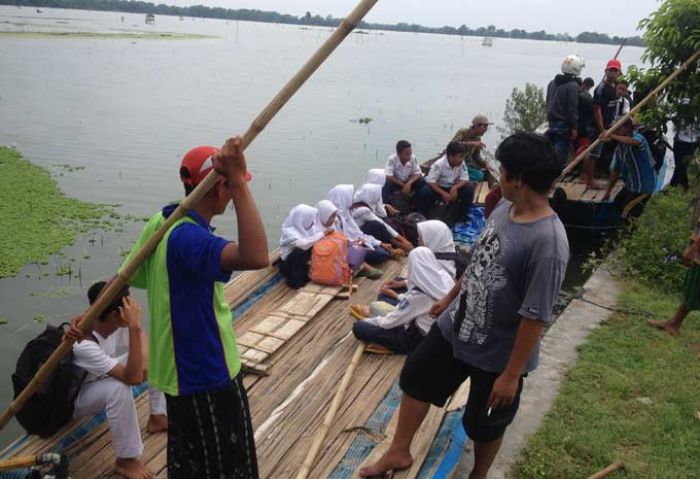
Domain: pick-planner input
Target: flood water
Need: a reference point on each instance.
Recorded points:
(127, 109)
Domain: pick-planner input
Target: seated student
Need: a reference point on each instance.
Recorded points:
(633, 161)
(437, 237)
(402, 329)
(299, 234)
(342, 197)
(327, 221)
(402, 172)
(369, 214)
(377, 176)
(448, 181)
(107, 385)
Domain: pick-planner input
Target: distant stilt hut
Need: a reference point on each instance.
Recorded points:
(150, 19)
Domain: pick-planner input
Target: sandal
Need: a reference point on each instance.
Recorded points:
(356, 311)
(377, 349)
(373, 273)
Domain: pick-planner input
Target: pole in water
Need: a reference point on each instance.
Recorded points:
(122, 277)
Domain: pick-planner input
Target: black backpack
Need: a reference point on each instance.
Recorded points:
(407, 225)
(460, 258)
(51, 406)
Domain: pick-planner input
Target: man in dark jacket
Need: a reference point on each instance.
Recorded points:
(562, 106)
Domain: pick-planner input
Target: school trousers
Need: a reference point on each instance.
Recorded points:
(116, 399)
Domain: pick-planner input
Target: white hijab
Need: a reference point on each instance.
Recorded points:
(437, 237)
(325, 211)
(426, 274)
(342, 197)
(371, 195)
(376, 176)
(299, 224)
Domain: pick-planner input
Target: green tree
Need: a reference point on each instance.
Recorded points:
(525, 110)
(671, 36)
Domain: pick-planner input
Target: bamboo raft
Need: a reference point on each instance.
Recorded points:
(295, 345)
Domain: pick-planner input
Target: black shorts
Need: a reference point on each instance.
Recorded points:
(432, 374)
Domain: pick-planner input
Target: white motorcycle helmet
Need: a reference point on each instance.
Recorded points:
(573, 65)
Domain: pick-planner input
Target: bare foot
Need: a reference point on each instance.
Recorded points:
(666, 326)
(133, 469)
(390, 461)
(157, 423)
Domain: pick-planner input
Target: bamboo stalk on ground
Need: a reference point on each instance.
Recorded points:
(330, 414)
(615, 466)
(648, 99)
(122, 277)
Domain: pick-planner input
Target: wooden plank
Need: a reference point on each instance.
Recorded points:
(306, 304)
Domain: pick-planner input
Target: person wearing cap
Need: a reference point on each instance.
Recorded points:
(562, 106)
(471, 139)
(604, 110)
(194, 359)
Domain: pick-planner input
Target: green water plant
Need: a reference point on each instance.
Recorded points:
(38, 219)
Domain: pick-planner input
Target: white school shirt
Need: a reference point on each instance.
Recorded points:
(414, 306)
(402, 172)
(622, 107)
(445, 175)
(689, 134)
(99, 358)
(364, 214)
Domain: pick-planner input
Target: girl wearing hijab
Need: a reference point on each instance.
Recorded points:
(369, 214)
(402, 329)
(377, 176)
(326, 221)
(342, 197)
(300, 232)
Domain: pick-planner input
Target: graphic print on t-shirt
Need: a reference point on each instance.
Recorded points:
(483, 277)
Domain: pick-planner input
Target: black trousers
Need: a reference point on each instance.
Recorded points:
(210, 434)
(295, 269)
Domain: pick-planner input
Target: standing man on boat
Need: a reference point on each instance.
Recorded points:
(633, 161)
(471, 140)
(562, 106)
(490, 324)
(194, 358)
(585, 116)
(604, 110)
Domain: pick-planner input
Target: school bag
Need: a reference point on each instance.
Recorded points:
(329, 260)
(460, 258)
(407, 225)
(51, 406)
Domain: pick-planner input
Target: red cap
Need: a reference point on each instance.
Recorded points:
(197, 163)
(614, 63)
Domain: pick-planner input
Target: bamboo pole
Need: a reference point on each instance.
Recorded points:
(122, 277)
(615, 466)
(330, 414)
(30, 461)
(651, 96)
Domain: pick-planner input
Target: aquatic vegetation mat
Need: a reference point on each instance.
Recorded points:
(37, 218)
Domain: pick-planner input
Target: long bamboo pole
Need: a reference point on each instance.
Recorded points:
(330, 414)
(258, 125)
(649, 98)
(615, 466)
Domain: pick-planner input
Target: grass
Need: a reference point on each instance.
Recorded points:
(632, 396)
(105, 36)
(38, 219)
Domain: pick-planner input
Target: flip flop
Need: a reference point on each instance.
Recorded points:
(373, 273)
(356, 312)
(377, 349)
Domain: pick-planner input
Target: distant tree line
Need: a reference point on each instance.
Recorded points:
(131, 6)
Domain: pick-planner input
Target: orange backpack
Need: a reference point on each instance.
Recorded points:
(329, 261)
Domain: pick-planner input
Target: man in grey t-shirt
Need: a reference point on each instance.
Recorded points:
(491, 332)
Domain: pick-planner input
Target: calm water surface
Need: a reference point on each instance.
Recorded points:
(127, 109)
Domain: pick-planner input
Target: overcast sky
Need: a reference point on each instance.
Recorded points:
(614, 17)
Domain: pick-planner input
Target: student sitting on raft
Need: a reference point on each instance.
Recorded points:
(437, 237)
(299, 233)
(447, 181)
(369, 214)
(402, 172)
(327, 221)
(107, 386)
(342, 197)
(402, 329)
(376, 176)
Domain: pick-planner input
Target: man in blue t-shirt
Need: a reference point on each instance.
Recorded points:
(633, 162)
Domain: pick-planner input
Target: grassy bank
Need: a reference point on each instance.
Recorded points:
(37, 218)
(633, 393)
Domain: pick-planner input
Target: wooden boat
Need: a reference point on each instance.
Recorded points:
(583, 208)
(487, 42)
(290, 386)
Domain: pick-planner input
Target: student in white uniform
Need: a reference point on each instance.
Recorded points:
(369, 214)
(402, 329)
(300, 232)
(402, 172)
(447, 181)
(377, 176)
(107, 386)
(342, 197)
